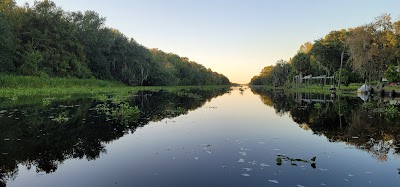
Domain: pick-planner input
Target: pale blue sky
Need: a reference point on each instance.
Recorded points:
(234, 37)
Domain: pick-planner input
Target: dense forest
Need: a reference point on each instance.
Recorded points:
(45, 40)
(369, 53)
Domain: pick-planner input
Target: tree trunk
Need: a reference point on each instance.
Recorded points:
(301, 77)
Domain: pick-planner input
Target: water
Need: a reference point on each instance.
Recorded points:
(201, 138)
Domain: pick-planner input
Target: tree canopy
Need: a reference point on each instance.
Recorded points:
(45, 40)
(371, 51)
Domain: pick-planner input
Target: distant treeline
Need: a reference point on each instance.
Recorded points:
(370, 52)
(45, 40)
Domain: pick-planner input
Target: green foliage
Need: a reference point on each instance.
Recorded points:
(391, 112)
(301, 63)
(345, 76)
(392, 74)
(171, 69)
(7, 46)
(327, 51)
(46, 101)
(31, 65)
(120, 112)
(318, 105)
(367, 52)
(280, 73)
(373, 47)
(273, 75)
(125, 113)
(367, 105)
(44, 40)
(61, 118)
(8, 81)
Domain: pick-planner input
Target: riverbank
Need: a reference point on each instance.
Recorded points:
(349, 90)
(14, 87)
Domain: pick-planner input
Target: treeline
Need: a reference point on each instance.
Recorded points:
(45, 40)
(369, 52)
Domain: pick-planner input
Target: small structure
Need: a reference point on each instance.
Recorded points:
(309, 79)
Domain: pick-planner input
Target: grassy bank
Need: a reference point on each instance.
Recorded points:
(14, 87)
(349, 90)
(8, 81)
(345, 90)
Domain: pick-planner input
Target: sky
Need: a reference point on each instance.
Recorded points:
(234, 37)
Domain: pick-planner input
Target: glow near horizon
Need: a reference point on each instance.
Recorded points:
(232, 37)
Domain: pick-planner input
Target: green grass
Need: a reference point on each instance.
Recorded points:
(9, 81)
(344, 90)
(27, 89)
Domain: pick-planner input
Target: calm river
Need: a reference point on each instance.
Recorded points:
(207, 138)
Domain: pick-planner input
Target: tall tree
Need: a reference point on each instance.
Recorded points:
(280, 73)
(327, 51)
(371, 47)
(306, 47)
(7, 46)
(301, 63)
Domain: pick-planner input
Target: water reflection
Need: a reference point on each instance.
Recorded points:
(43, 136)
(364, 124)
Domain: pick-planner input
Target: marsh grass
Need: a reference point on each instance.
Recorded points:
(349, 90)
(9, 81)
(13, 88)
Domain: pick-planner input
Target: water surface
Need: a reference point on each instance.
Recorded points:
(216, 137)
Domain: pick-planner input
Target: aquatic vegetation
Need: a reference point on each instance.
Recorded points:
(14, 98)
(121, 112)
(125, 113)
(318, 105)
(61, 118)
(391, 112)
(184, 93)
(293, 161)
(367, 105)
(101, 97)
(47, 101)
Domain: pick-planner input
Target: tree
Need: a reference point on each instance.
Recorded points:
(392, 74)
(43, 39)
(7, 46)
(371, 47)
(327, 51)
(301, 63)
(264, 78)
(306, 47)
(280, 73)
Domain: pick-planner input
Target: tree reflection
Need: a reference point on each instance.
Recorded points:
(341, 120)
(31, 137)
